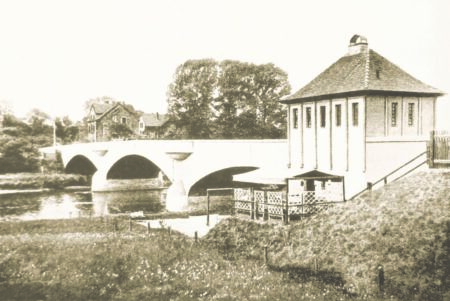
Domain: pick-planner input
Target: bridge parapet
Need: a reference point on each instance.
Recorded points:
(206, 157)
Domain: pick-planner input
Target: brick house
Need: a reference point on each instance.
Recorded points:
(361, 118)
(103, 115)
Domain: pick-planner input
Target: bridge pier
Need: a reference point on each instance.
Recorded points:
(99, 181)
(177, 198)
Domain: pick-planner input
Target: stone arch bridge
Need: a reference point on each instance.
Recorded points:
(183, 162)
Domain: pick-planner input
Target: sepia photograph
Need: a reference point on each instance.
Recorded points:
(224, 150)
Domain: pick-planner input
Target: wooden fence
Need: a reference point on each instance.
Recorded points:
(439, 149)
(277, 204)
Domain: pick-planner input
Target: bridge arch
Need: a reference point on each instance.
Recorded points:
(217, 179)
(133, 167)
(80, 164)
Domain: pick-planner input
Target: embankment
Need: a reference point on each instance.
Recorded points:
(40, 181)
(393, 241)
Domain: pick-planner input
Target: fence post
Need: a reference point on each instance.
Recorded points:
(286, 208)
(432, 154)
(266, 207)
(266, 259)
(148, 227)
(130, 227)
(369, 186)
(252, 204)
(256, 206)
(207, 207)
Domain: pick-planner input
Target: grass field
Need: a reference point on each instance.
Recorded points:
(84, 259)
(405, 228)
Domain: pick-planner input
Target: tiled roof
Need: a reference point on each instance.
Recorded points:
(364, 71)
(154, 119)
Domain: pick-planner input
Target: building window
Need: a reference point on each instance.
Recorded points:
(308, 117)
(338, 113)
(410, 114)
(295, 118)
(124, 120)
(114, 118)
(355, 113)
(322, 116)
(394, 109)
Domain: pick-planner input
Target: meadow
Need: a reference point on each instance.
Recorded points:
(403, 230)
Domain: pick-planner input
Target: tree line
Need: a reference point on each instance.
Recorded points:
(227, 99)
(20, 141)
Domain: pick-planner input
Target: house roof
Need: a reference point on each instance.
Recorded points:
(366, 72)
(101, 108)
(154, 119)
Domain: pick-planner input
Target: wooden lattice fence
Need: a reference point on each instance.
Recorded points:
(277, 204)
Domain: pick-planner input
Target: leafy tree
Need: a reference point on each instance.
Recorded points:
(18, 155)
(190, 97)
(66, 131)
(230, 99)
(120, 130)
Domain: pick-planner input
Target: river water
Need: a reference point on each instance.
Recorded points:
(70, 204)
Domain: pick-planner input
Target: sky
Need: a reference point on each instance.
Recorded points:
(57, 54)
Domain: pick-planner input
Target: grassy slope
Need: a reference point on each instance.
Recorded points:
(405, 227)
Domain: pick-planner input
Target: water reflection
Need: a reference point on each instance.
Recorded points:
(56, 205)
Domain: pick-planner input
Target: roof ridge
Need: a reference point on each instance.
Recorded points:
(367, 70)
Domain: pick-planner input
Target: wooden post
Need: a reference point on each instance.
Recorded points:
(207, 208)
(286, 211)
(369, 186)
(148, 227)
(256, 207)
(195, 236)
(266, 208)
(252, 204)
(432, 154)
(169, 230)
(266, 257)
(385, 180)
(343, 189)
(130, 228)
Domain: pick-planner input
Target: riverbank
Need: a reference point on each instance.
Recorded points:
(40, 181)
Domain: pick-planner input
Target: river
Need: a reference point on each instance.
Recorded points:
(70, 204)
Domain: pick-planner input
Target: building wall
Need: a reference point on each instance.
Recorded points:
(309, 135)
(428, 115)
(339, 136)
(102, 130)
(295, 135)
(384, 157)
(376, 116)
(414, 116)
(356, 135)
(323, 134)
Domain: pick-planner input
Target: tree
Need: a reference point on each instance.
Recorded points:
(18, 155)
(229, 100)
(190, 97)
(66, 131)
(120, 130)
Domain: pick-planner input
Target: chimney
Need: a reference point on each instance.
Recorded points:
(358, 44)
